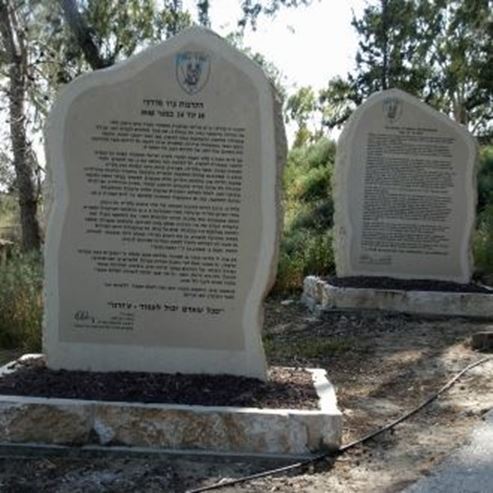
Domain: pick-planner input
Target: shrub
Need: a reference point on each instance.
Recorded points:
(306, 246)
(485, 178)
(483, 244)
(483, 237)
(21, 304)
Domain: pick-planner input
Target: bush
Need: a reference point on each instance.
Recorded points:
(306, 246)
(21, 304)
(483, 244)
(485, 178)
(303, 253)
(483, 237)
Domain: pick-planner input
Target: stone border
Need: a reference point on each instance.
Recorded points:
(172, 428)
(321, 296)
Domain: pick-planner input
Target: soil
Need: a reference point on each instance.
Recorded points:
(286, 388)
(408, 284)
(382, 366)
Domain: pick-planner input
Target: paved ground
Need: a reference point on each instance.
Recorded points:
(468, 470)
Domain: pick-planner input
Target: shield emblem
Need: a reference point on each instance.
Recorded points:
(192, 70)
(392, 109)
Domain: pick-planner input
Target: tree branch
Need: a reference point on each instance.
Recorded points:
(82, 34)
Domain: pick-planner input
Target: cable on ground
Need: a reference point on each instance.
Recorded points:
(344, 448)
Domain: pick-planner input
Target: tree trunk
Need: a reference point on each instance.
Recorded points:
(17, 59)
(82, 33)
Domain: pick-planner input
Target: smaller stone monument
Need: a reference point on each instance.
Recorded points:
(405, 192)
(164, 212)
(404, 199)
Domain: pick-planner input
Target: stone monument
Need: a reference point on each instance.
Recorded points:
(164, 212)
(405, 192)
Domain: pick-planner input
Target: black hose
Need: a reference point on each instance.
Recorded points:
(344, 448)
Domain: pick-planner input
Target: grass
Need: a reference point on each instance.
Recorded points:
(9, 214)
(21, 304)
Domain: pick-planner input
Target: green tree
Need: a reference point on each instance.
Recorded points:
(252, 9)
(337, 101)
(395, 38)
(47, 43)
(273, 73)
(15, 58)
(312, 111)
(301, 108)
(464, 62)
(440, 50)
(105, 31)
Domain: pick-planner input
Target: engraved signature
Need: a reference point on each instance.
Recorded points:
(83, 316)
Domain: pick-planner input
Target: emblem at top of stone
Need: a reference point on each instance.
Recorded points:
(404, 192)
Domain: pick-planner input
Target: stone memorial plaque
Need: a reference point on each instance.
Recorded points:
(164, 215)
(404, 192)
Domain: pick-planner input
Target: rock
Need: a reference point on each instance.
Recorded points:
(483, 341)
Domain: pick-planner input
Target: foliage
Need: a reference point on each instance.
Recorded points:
(21, 302)
(252, 9)
(440, 51)
(7, 175)
(485, 178)
(306, 246)
(203, 12)
(464, 62)
(273, 73)
(393, 46)
(483, 239)
(300, 108)
(9, 213)
(337, 102)
(16, 72)
(483, 244)
(117, 29)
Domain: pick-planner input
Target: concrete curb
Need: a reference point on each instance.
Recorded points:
(321, 296)
(222, 430)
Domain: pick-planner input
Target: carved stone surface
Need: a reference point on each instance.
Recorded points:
(164, 212)
(404, 192)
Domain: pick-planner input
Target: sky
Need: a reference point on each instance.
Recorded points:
(308, 44)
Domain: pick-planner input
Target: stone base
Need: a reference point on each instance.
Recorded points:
(221, 430)
(321, 296)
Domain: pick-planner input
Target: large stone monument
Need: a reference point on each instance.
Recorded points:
(405, 192)
(164, 212)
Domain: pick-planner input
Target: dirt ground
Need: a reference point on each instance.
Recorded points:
(381, 365)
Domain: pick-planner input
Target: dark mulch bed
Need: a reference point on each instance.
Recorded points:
(285, 389)
(406, 284)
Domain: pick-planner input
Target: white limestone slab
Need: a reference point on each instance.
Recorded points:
(404, 192)
(164, 212)
(171, 427)
(321, 296)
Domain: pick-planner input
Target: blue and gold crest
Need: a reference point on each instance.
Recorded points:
(192, 70)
